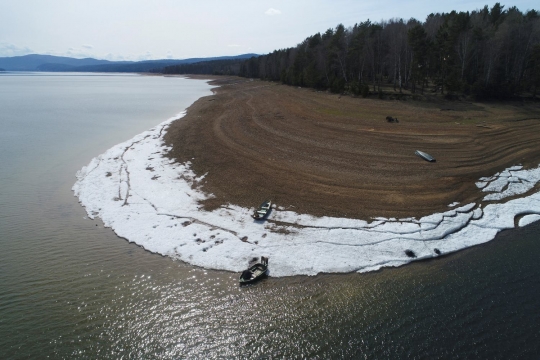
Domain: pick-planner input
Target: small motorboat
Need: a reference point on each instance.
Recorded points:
(262, 211)
(254, 272)
(425, 156)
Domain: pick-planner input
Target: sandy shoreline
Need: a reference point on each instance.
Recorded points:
(148, 198)
(330, 155)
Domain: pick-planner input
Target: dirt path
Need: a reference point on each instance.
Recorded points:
(325, 154)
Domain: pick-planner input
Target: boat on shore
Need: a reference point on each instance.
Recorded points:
(254, 272)
(425, 156)
(263, 210)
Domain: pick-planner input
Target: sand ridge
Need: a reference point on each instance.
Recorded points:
(329, 155)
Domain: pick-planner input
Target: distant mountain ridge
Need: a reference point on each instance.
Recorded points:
(31, 62)
(37, 62)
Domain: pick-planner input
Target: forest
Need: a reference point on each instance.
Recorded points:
(489, 53)
(213, 67)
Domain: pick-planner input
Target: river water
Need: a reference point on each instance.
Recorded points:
(70, 288)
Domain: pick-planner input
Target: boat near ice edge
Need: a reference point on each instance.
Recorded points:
(263, 210)
(254, 272)
(425, 156)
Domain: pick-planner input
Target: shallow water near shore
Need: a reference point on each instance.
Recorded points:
(70, 288)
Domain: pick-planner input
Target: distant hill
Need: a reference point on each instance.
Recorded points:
(2, 69)
(59, 64)
(31, 62)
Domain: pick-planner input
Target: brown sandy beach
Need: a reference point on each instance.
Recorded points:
(330, 155)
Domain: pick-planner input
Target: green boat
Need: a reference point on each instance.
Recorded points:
(262, 210)
(425, 156)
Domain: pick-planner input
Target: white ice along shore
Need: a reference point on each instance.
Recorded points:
(152, 201)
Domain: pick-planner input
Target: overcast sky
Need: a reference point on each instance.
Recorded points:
(159, 29)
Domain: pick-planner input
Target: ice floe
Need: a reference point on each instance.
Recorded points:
(150, 200)
(511, 182)
(528, 219)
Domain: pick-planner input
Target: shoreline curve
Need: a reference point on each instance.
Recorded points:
(151, 200)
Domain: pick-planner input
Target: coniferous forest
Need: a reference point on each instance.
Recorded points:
(492, 53)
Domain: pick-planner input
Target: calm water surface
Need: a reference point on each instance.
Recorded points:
(70, 288)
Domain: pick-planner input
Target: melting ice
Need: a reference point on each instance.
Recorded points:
(152, 201)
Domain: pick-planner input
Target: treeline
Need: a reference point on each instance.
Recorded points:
(216, 67)
(488, 53)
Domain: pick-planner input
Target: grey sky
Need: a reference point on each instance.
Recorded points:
(158, 29)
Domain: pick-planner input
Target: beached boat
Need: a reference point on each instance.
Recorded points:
(262, 211)
(254, 272)
(425, 156)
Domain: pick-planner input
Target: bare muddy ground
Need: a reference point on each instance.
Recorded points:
(330, 155)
